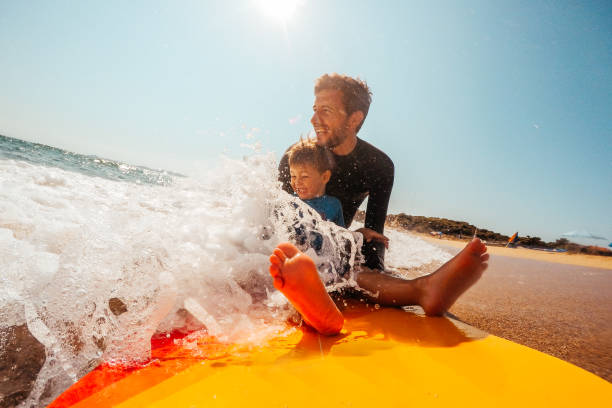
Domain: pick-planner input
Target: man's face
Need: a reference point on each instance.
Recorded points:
(307, 181)
(329, 119)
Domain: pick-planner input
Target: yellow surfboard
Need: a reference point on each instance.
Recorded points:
(383, 357)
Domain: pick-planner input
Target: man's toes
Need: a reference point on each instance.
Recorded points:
(474, 245)
(288, 248)
(480, 246)
(484, 257)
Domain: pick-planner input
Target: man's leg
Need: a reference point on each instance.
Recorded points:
(296, 276)
(436, 292)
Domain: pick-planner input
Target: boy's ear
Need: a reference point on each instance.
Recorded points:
(326, 175)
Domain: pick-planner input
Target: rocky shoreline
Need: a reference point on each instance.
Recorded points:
(461, 230)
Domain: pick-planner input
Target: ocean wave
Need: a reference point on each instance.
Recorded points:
(95, 266)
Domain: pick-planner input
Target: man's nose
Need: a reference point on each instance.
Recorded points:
(314, 119)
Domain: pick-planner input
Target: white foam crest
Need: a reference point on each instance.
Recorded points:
(408, 251)
(95, 266)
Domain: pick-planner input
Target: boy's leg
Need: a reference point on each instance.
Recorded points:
(436, 292)
(296, 276)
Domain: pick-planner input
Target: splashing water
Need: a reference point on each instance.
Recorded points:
(95, 265)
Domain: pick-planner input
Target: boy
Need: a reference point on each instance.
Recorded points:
(310, 167)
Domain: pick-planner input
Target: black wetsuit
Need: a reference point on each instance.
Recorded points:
(366, 171)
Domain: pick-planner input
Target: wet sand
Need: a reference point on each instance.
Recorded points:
(562, 310)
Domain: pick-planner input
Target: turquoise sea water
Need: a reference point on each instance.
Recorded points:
(90, 165)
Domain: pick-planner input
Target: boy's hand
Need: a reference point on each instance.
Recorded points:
(370, 234)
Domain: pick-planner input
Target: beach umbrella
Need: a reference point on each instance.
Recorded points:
(582, 234)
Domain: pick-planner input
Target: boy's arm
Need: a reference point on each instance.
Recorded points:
(340, 217)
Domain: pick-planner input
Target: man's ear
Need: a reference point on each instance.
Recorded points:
(326, 175)
(355, 119)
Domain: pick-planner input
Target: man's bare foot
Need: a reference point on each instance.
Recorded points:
(295, 274)
(442, 288)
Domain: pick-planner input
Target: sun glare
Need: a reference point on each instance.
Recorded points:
(281, 10)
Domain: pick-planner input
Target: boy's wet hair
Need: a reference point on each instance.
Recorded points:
(308, 152)
(356, 95)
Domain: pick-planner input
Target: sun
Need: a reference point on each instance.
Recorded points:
(281, 10)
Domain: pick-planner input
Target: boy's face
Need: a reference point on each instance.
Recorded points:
(307, 181)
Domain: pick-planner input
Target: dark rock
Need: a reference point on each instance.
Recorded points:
(21, 358)
(117, 306)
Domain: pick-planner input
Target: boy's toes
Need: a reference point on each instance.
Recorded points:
(278, 280)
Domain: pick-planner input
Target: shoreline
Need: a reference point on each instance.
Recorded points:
(591, 261)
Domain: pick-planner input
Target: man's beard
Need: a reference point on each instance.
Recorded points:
(337, 137)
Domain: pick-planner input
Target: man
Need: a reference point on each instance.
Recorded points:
(341, 106)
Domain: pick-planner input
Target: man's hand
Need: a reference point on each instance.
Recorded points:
(370, 234)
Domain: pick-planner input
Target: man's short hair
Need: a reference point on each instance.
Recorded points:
(356, 95)
(309, 152)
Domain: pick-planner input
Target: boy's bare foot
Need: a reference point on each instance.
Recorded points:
(442, 288)
(295, 274)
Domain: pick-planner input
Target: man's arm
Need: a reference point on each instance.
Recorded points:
(371, 235)
(380, 192)
(376, 213)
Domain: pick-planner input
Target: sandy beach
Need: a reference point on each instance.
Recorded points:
(559, 304)
(592, 261)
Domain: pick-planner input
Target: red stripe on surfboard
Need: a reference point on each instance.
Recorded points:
(167, 359)
(101, 377)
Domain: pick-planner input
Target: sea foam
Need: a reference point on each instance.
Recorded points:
(95, 267)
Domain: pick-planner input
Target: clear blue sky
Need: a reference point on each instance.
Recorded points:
(497, 113)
